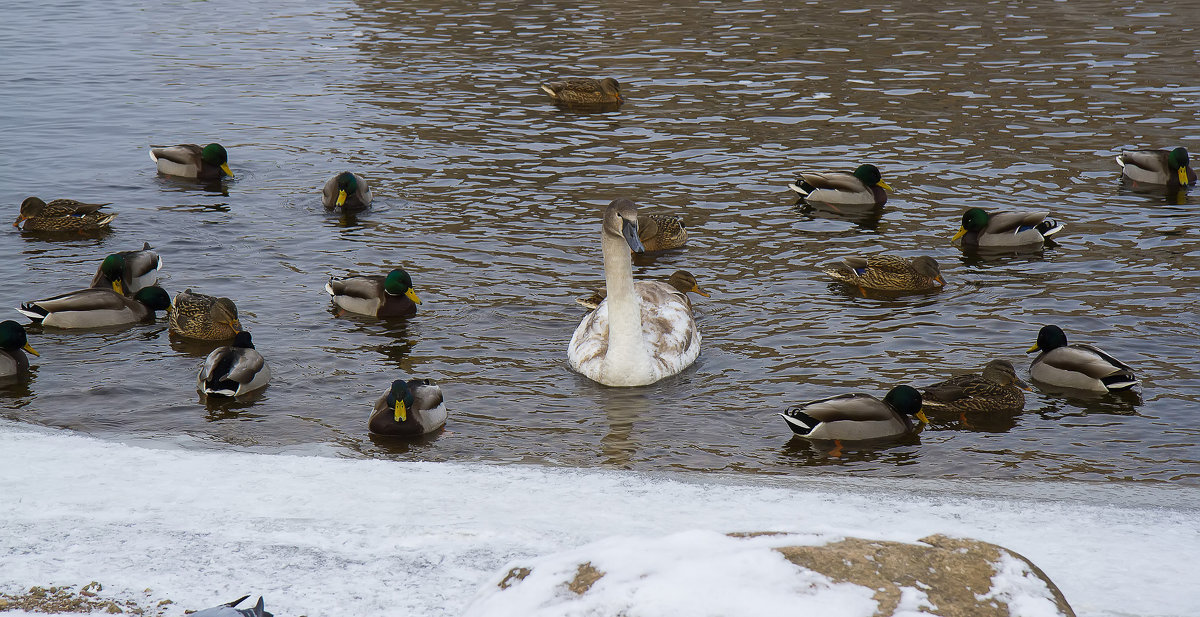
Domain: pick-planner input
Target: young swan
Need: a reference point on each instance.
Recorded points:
(642, 331)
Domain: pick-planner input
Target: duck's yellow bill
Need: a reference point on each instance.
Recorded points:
(962, 231)
(401, 411)
(696, 289)
(884, 185)
(1183, 179)
(412, 295)
(116, 285)
(31, 350)
(921, 416)
(341, 197)
(1033, 349)
(226, 170)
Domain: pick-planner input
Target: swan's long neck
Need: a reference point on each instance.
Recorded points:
(626, 345)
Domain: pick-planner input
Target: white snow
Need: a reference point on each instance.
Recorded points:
(321, 535)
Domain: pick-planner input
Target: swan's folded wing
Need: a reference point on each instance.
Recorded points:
(668, 325)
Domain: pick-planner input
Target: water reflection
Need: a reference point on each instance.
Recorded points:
(1121, 403)
(865, 216)
(623, 408)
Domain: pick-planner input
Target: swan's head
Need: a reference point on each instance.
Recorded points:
(620, 219)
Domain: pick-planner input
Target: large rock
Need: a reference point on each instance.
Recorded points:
(763, 574)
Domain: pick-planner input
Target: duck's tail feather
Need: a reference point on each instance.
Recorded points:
(800, 422)
(1049, 227)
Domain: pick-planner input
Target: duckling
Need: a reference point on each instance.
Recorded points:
(1081, 367)
(1005, 229)
(62, 215)
(889, 273)
(584, 91)
(348, 191)
(857, 416)
(204, 317)
(864, 186)
(409, 409)
(659, 232)
(377, 296)
(191, 161)
(229, 610)
(234, 369)
(96, 307)
(1170, 167)
(681, 280)
(128, 271)
(13, 345)
(997, 389)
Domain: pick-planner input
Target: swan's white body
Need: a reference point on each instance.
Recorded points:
(642, 331)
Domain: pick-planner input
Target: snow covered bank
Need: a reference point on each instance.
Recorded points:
(329, 536)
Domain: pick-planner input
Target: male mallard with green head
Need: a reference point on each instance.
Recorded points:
(850, 417)
(191, 161)
(377, 296)
(96, 307)
(1168, 167)
(1005, 229)
(409, 409)
(233, 370)
(13, 345)
(348, 191)
(128, 271)
(863, 186)
(1078, 366)
(62, 215)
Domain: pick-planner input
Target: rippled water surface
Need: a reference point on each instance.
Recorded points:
(490, 197)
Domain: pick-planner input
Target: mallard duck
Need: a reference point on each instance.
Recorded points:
(128, 271)
(642, 331)
(584, 91)
(1170, 167)
(348, 191)
(865, 186)
(659, 232)
(1080, 367)
(62, 215)
(1005, 229)
(889, 273)
(997, 389)
(96, 307)
(13, 345)
(191, 161)
(377, 296)
(681, 280)
(234, 369)
(199, 316)
(228, 610)
(857, 416)
(409, 409)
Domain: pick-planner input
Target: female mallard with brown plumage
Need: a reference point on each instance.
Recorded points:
(191, 161)
(128, 271)
(409, 409)
(997, 389)
(681, 280)
(203, 317)
(889, 273)
(660, 232)
(863, 186)
(850, 417)
(584, 91)
(13, 345)
(375, 295)
(62, 215)
(1167, 167)
(96, 308)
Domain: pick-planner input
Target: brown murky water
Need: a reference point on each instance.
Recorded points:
(490, 197)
